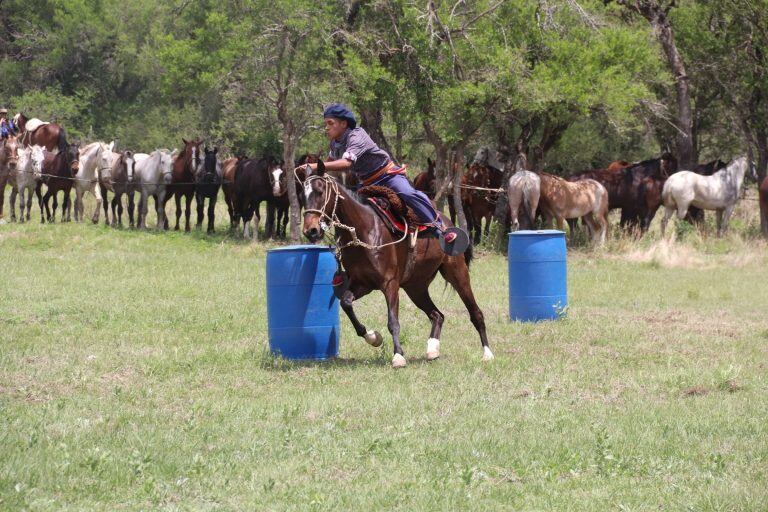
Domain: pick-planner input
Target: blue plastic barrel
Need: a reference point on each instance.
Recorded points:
(537, 275)
(302, 311)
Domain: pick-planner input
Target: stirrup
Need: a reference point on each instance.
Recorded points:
(458, 246)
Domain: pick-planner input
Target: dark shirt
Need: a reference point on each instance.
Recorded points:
(356, 146)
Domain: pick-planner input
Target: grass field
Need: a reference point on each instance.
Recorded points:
(134, 375)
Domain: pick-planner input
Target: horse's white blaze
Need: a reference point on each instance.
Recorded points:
(307, 189)
(276, 174)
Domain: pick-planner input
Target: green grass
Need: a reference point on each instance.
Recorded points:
(135, 375)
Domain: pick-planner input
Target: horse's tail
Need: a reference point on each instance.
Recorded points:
(527, 200)
(62, 142)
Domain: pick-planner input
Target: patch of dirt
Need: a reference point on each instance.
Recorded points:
(695, 391)
(667, 254)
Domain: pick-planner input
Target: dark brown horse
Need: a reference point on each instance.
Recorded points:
(376, 260)
(480, 205)
(58, 171)
(184, 173)
(118, 179)
(9, 158)
(425, 181)
(281, 204)
(254, 185)
(49, 135)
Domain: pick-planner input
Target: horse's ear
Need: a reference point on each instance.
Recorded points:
(184, 141)
(215, 150)
(111, 146)
(320, 168)
(429, 162)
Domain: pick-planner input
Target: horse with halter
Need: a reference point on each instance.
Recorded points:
(95, 158)
(34, 131)
(9, 158)
(119, 179)
(185, 169)
(377, 259)
(153, 173)
(28, 174)
(719, 192)
(208, 180)
(480, 204)
(59, 170)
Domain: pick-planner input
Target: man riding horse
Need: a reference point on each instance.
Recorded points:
(353, 149)
(7, 127)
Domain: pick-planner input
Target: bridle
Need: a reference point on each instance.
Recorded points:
(331, 185)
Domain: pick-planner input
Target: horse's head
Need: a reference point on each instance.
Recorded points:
(127, 161)
(211, 167)
(191, 154)
(73, 157)
(277, 179)
(37, 155)
(667, 165)
(431, 168)
(321, 195)
(478, 175)
(751, 171)
(106, 157)
(166, 165)
(11, 150)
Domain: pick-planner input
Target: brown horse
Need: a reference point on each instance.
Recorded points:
(49, 135)
(375, 259)
(281, 204)
(562, 200)
(9, 158)
(425, 181)
(118, 179)
(59, 169)
(184, 173)
(228, 187)
(480, 205)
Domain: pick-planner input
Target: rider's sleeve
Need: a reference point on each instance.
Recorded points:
(357, 144)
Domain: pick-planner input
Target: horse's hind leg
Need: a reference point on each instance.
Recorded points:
(424, 302)
(14, 192)
(200, 200)
(455, 271)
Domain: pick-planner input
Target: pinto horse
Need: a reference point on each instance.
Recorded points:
(208, 181)
(718, 192)
(563, 200)
(185, 169)
(376, 260)
(33, 131)
(9, 159)
(59, 169)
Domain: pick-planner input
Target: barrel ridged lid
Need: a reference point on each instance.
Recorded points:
(302, 248)
(537, 232)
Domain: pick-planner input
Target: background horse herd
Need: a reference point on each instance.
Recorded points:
(40, 156)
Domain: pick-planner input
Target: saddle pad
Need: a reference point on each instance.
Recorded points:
(34, 123)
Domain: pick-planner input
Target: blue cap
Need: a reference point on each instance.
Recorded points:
(340, 111)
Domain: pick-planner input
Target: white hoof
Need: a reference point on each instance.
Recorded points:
(373, 338)
(487, 354)
(398, 361)
(433, 349)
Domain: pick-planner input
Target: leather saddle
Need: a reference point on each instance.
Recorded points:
(393, 211)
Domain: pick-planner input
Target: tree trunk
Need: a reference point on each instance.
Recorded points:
(371, 118)
(456, 167)
(289, 156)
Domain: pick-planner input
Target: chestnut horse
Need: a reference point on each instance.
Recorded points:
(480, 205)
(49, 135)
(228, 187)
(375, 259)
(563, 199)
(425, 181)
(185, 169)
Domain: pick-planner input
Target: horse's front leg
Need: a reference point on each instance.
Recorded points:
(371, 337)
(211, 214)
(392, 296)
(187, 211)
(14, 192)
(200, 199)
(99, 201)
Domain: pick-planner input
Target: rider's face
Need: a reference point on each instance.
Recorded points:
(334, 128)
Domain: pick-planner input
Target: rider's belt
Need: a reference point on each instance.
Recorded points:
(388, 168)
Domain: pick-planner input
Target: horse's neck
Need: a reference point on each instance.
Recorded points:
(357, 215)
(88, 169)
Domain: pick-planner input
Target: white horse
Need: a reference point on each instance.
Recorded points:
(524, 187)
(94, 159)
(28, 173)
(718, 192)
(153, 172)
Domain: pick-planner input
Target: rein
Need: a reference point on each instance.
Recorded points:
(335, 222)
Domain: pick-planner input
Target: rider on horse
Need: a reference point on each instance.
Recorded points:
(7, 127)
(353, 149)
